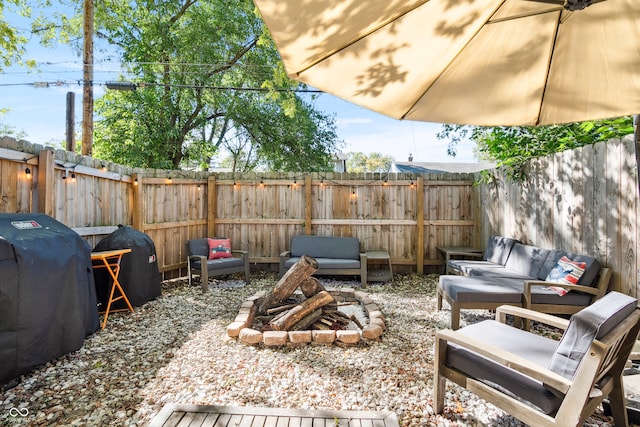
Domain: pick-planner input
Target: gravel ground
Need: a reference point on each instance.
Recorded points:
(175, 349)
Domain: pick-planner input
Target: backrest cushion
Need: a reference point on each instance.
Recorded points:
(526, 259)
(325, 247)
(550, 263)
(498, 249)
(198, 247)
(592, 322)
(591, 273)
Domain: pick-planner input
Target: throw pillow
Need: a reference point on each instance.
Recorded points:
(219, 247)
(567, 272)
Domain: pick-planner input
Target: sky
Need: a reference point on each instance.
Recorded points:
(40, 112)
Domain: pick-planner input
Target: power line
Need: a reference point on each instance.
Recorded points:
(142, 85)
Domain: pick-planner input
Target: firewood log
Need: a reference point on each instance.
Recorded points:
(293, 316)
(301, 270)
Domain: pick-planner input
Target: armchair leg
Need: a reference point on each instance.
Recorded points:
(455, 316)
(618, 403)
(439, 382)
(439, 299)
(204, 280)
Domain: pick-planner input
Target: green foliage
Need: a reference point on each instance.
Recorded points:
(12, 38)
(373, 162)
(209, 77)
(511, 147)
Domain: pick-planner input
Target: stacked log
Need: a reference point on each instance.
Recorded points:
(281, 311)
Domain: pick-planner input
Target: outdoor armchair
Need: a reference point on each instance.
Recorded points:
(538, 380)
(200, 264)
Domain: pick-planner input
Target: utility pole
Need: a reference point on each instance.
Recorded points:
(87, 80)
(71, 138)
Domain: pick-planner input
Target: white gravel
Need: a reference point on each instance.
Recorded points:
(175, 349)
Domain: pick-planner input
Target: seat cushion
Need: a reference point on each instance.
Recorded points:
(480, 289)
(325, 247)
(466, 266)
(216, 264)
(592, 322)
(532, 347)
(328, 263)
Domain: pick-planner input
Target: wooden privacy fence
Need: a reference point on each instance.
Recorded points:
(583, 200)
(409, 216)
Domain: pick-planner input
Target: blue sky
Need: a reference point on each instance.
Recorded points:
(41, 112)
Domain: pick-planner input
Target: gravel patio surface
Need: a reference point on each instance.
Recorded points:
(175, 349)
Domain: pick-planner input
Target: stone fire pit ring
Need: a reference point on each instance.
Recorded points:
(242, 329)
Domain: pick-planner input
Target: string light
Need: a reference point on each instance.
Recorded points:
(135, 181)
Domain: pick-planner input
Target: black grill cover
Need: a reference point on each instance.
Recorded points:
(47, 294)
(139, 275)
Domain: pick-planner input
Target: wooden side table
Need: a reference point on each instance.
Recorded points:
(111, 261)
(447, 251)
(384, 274)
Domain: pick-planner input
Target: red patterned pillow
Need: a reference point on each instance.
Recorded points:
(567, 272)
(219, 247)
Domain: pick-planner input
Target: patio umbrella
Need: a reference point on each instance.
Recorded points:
(482, 62)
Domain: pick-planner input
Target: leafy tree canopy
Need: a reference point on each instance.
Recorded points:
(208, 77)
(373, 162)
(511, 147)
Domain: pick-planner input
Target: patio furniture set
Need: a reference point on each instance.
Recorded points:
(509, 272)
(335, 256)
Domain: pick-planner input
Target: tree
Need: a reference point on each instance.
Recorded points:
(512, 146)
(207, 73)
(374, 162)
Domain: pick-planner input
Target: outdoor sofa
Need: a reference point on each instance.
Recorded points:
(335, 255)
(516, 274)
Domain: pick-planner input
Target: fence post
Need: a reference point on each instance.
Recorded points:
(138, 212)
(46, 185)
(420, 225)
(212, 198)
(308, 211)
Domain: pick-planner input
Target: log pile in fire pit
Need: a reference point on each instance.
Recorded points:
(282, 310)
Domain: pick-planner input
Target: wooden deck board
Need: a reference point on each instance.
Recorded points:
(174, 415)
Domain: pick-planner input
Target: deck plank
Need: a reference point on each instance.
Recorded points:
(174, 415)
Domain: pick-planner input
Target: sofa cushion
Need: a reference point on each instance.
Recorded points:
(591, 273)
(214, 264)
(325, 247)
(592, 322)
(480, 289)
(328, 263)
(465, 266)
(534, 348)
(498, 249)
(526, 260)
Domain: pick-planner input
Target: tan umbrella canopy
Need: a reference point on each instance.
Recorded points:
(482, 62)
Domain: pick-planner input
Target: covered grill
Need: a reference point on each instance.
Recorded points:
(47, 293)
(139, 275)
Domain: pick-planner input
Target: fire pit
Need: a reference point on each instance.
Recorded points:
(299, 311)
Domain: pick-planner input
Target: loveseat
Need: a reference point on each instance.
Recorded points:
(510, 272)
(335, 255)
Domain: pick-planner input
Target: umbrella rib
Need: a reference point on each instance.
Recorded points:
(357, 39)
(546, 80)
(444, 70)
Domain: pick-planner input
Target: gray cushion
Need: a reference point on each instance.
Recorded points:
(592, 322)
(591, 272)
(328, 263)
(534, 348)
(498, 249)
(198, 247)
(550, 262)
(465, 266)
(526, 260)
(480, 289)
(326, 247)
(215, 264)
(499, 271)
